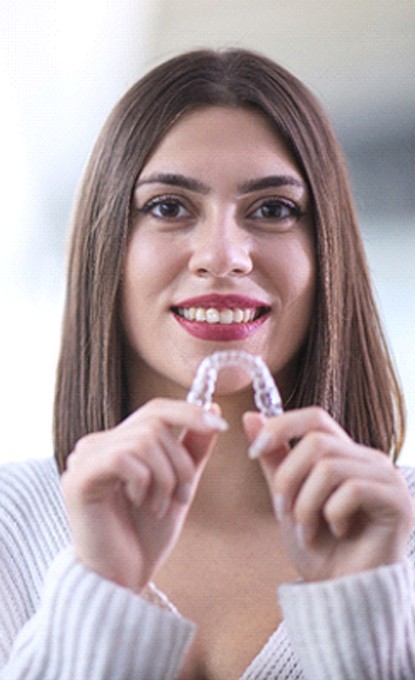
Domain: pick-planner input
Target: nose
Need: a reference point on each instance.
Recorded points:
(221, 248)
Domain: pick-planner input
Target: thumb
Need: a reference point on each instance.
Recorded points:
(200, 444)
(253, 423)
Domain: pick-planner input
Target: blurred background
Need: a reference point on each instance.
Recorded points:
(64, 64)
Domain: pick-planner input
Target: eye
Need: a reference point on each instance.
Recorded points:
(165, 208)
(276, 210)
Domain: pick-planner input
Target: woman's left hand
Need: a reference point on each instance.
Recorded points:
(343, 507)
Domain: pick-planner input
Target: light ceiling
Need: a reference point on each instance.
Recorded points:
(358, 56)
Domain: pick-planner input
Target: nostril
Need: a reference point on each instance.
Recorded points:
(220, 263)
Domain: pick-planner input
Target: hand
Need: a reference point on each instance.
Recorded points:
(343, 507)
(127, 490)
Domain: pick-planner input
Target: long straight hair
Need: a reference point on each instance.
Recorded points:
(344, 367)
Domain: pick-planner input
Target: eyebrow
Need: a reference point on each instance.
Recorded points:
(178, 180)
(269, 182)
(184, 182)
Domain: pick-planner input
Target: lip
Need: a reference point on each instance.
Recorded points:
(219, 333)
(222, 332)
(230, 301)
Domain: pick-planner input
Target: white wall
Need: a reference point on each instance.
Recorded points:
(63, 63)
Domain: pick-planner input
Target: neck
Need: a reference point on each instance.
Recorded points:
(232, 489)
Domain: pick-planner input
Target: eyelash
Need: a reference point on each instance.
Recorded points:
(159, 201)
(293, 210)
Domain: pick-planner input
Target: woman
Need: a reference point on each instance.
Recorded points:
(215, 214)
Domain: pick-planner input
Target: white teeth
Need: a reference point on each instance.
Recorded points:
(227, 316)
(214, 316)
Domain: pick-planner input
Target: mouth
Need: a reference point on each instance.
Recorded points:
(221, 317)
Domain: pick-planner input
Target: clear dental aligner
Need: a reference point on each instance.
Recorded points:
(267, 397)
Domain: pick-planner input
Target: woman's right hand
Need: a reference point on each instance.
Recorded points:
(127, 490)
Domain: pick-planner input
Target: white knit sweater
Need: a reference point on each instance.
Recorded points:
(60, 621)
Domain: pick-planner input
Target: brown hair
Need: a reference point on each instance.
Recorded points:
(345, 366)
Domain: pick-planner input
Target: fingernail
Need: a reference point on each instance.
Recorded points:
(304, 535)
(300, 534)
(280, 506)
(183, 493)
(259, 445)
(163, 508)
(337, 530)
(214, 421)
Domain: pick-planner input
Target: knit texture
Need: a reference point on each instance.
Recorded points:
(61, 621)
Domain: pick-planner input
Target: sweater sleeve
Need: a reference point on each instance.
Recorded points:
(89, 628)
(359, 626)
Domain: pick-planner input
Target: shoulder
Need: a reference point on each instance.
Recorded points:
(31, 504)
(33, 530)
(25, 481)
(409, 475)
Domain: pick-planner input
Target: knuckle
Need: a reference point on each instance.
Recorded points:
(302, 511)
(147, 433)
(144, 476)
(282, 480)
(355, 488)
(119, 457)
(327, 468)
(386, 462)
(154, 405)
(85, 443)
(321, 416)
(72, 463)
(320, 442)
(168, 482)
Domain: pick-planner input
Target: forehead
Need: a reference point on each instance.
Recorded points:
(225, 137)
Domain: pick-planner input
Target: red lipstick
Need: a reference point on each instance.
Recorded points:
(230, 301)
(217, 328)
(219, 332)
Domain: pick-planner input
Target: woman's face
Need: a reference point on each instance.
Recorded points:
(221, 253)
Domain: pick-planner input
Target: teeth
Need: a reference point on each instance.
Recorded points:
(213, 316)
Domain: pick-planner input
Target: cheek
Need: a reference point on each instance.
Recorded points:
(294, 269)
(148, 265)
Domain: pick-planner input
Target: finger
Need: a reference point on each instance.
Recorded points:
(293, 425)
(253, 422)
(199, 445)
(163, 479)
(375, 499)
(183, 465)
(177, 413)
(172, 468)
(324, 479)
(316, 446)
(138, 483)
(91, 478)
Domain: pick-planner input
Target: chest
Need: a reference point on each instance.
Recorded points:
(228, 587)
